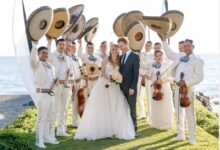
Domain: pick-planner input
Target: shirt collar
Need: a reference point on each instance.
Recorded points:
(128, 52)
(191, 55)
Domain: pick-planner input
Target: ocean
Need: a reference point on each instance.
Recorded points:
(11, 82)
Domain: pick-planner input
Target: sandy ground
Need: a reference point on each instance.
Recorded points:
(11, 106)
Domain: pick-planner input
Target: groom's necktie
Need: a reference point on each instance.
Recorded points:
(123, 59)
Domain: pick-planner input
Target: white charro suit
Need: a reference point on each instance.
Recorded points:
(77, 63)
(62, 63)
(193, 75)
(146, 60)
(85, 59)
(43, 78)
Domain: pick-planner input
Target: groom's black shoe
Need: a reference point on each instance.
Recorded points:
(74, 127)
(136, 134)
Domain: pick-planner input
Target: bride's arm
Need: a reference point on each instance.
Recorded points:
(103, 69)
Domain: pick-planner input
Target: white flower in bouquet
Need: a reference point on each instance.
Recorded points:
(115, 76)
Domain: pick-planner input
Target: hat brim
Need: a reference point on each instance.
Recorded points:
(75, 13)
(39, 22)
(76, 30)
(177, 20)
(89, 36)
(136, 35)
(161, 25)
(130, 17)
(59, 23)
(90, 24)
(117, 25)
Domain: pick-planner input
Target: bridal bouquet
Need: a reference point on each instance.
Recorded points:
(115, 77)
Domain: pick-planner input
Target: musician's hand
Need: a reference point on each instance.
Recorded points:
(49, 40)
(80, 41)
(159, 81)
(147, 77)
(131, 92)
(64, 36)
(182, 83)
(35, 42)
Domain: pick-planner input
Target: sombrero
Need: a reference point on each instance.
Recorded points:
(117, 25)
(75, 13)
(39, 22)
(177, 20)
(90, 24)
(130, 17)
(59, 23)
(136, 35)
(89, 36)
(77, 29)
(161, 25)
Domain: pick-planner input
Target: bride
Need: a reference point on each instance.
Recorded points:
(107, 113)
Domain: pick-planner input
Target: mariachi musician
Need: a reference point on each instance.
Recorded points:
(76, 78)
(92, 65)
(161, 115)
(187, 69)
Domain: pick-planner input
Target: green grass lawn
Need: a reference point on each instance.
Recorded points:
(148, 138)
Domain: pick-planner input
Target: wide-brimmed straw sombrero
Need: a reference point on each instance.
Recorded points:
(136, 35)
(130, 17)
(161, 25)
(177, 20)
(59, 23)
(89, 36)
(39, 22)
(90, 24)
(75, 13)
(77, 29)
(117, 25)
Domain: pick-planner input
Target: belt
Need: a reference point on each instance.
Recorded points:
(92, 78)
(61, 81)
(39, 90)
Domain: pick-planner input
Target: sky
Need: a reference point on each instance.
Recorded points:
(201, 20)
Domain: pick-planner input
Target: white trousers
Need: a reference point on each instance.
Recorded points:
(74, 99)
(148, 94)
(44, 122)
(62, 98)
(140, 98)
(188, 111)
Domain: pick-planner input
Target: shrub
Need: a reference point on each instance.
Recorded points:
(13, 140)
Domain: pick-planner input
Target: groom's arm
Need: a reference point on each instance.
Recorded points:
(135, 72)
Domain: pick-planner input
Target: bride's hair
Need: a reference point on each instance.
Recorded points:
(113, 46)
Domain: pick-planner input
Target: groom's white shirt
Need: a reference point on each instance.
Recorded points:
(127, 54)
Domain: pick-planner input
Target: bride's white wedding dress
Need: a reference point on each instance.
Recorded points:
(106, 113)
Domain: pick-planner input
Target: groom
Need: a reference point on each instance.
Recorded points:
(129, 68)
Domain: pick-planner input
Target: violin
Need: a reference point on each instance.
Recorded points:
(183, 91)
(143, 81)
(80, 95)
(157, 94)
(81, 102)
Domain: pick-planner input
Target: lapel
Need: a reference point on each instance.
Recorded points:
(191, 60)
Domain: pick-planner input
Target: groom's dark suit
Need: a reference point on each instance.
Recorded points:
(130, 73)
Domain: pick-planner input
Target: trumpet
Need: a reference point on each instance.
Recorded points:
(51, 91)
(67, 84)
